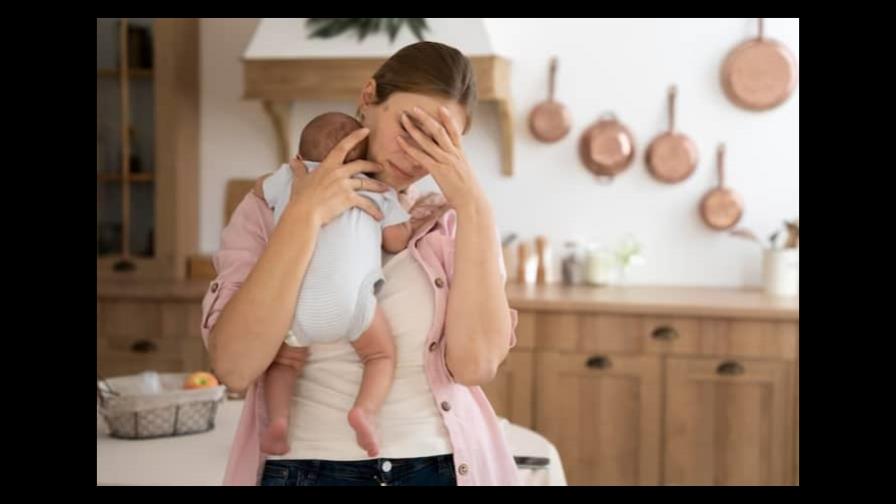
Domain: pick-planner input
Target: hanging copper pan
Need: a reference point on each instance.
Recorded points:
(550, 120)
(671, 157)
(607, 147)
(760, 73)
(721, 208)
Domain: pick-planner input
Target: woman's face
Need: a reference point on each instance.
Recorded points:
(384, 121)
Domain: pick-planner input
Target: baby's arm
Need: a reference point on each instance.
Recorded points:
(395, 238)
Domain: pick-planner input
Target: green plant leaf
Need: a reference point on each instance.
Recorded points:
(332, 27)
(418, 25)
(393, 25)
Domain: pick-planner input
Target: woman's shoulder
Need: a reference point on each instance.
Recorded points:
(252, 219)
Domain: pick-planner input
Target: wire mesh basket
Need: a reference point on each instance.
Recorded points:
(131, 412)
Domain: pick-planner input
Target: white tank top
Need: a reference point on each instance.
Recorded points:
(409, 423)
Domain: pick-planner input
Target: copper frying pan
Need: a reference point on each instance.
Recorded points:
(671, 157)
(550, 120)
(721, 208)
(759, 74)
(607, 147)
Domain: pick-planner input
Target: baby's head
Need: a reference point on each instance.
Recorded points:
(324, 132)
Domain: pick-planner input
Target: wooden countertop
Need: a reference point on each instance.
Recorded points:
(657, 300)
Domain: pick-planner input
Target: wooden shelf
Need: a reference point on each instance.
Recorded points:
(116, 177)
(133, 73)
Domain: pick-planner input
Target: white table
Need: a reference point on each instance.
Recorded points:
(200, 459)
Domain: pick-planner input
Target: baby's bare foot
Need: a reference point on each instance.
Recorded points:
(365, 430)
(273, 440)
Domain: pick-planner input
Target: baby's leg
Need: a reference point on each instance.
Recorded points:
(278, 386)
(377, 352)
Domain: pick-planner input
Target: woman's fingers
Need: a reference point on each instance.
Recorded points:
(336, 157)
(433, 128)
(424, 141)
(418, 155)
(450, 126)
(366, 205)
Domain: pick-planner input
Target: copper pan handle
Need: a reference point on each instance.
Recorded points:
(720, 163)
(552, 78)
(673, 91)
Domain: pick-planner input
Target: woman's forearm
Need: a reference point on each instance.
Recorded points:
(477, 322)
(253, 324)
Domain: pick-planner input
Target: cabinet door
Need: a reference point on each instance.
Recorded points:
(511, 391)
(147, 146)
(140, 335)
(728, 422)
(602, 412)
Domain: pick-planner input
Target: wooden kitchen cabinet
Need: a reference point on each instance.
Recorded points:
(143, 325)
(602, 411)
(147, 146)
(693, 386)
(510, 393)
(729, 421)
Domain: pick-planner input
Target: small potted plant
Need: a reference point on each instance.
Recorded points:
(627, 254)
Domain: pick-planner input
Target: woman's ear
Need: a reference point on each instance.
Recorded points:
(368, 93)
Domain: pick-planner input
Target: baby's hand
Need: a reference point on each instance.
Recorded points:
(395, 237)
(426, 209)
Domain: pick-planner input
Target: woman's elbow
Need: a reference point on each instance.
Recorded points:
(228, 371)
(231, 378)
(477, 372)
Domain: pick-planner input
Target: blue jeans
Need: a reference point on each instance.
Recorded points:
(423, 471)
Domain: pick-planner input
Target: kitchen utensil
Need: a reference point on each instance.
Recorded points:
(721, 208)
(759, 74)
(671, 156)
(550, 120)
(607, 147)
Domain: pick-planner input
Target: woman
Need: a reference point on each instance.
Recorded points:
(443, 296)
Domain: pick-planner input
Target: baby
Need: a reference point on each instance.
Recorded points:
(337, 300)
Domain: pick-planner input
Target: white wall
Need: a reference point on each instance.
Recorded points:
(623, 65)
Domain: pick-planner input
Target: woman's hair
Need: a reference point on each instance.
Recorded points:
(429, 68)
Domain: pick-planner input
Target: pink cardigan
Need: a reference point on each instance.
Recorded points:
(481, 455)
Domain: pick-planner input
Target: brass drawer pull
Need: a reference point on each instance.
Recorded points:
(598, 362)
(665, 333)
(730, 368)
(144, 346)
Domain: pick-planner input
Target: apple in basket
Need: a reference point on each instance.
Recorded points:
(200, 379)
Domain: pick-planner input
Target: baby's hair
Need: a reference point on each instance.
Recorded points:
(330, 125)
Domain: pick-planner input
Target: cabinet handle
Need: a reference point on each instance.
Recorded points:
(144, 346)
(124, 265)
(598, 362)
(665, 333)
(730, 368)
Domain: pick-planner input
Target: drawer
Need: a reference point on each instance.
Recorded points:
(720, 337)
(580, 332)
(125, 356)
(129, 318)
